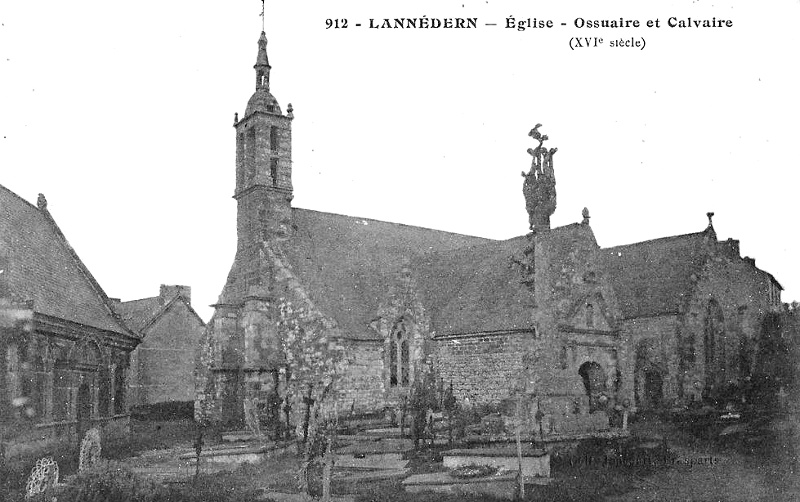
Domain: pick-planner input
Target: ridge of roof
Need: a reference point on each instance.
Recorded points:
(657, 240)
(398, 224)
(168, 305)
(147, 311)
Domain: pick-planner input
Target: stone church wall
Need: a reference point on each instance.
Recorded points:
(742, 293)
(652, 341)
(482, 367)
(362, 387)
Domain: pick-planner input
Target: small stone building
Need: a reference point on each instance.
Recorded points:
(65, 352)
(162, 366)
(549, 315)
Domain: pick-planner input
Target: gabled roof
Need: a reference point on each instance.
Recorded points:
(44, 268)
(143, 313)
(655, 277)
(347, 264)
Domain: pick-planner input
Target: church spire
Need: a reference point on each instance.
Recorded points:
(262, 64)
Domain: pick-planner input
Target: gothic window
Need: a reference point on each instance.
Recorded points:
(273, 171)
(713, 333)
(589, 315)
(744, 344)
(273, 138)
(399, 356)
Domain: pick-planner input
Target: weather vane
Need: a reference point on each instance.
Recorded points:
(262, 15)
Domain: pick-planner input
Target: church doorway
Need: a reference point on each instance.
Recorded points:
(594, 383)
(83, 410)
(653, 388)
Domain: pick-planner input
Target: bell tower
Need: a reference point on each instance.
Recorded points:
(263, 162)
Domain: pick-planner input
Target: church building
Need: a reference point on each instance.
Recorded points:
(550, 315)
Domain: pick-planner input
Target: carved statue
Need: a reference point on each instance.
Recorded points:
(539, 187)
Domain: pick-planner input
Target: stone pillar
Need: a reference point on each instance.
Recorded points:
(49, 384)
(112, 376)
(94, 390)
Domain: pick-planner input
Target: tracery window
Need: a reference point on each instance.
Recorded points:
(399, 356)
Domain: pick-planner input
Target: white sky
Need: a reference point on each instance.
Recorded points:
(121, 113)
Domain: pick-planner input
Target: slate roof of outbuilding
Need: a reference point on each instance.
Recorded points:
(655, 277)
(138, 313)
(142, 313)
(44, 268)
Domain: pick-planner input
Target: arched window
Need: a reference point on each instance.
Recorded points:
(594, 383)
(273, 138)
(399, 356)
(713, 333)
(62, 384)
(589, 315)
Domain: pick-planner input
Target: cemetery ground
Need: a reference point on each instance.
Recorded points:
(762, 467)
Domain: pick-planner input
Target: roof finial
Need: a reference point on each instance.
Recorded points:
(262, 15)
(710, 215)
(585, 214)
(41, 202)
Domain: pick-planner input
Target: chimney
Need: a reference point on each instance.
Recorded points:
(751, 261)
(168, 292)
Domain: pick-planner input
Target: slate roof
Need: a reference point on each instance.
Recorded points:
(348, 264)
(474, 289)
(140, 314)
(44, 268)
(469, 284)
(654, 277)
